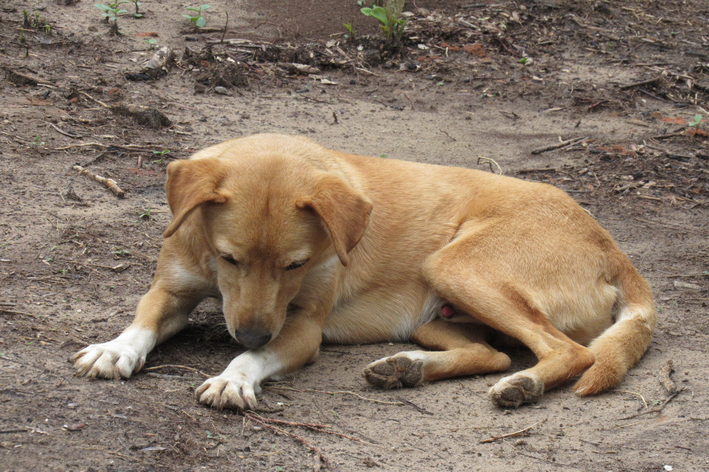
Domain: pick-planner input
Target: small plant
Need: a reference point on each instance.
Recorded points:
(112, 10)
(137, 14)
(120, 252)
(697, 120)
(391, 24)
(198, 21)
(35, 22)
(151, 42)
(350, 30)
(38, 141)
(144, 215)
(160, 154)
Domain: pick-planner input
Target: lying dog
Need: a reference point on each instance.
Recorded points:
(306, 245)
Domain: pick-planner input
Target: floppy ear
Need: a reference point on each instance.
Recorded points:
(191, 183)
(344, 211)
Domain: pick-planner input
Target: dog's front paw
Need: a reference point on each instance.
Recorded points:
(115, 359)
(108, 360)
(515, 390)
(221, 392)
(395, 372)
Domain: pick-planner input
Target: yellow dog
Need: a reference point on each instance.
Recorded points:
(306, 245)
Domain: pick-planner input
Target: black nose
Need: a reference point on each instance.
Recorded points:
(252, 339)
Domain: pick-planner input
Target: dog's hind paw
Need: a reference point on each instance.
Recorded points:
(515, 390)
(220, 392)
(394, 372)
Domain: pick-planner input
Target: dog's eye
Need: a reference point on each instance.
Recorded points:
(297, 265)
(230, 259)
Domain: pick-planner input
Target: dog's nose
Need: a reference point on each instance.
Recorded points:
(252, 339)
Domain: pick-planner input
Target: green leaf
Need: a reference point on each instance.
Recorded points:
(187, 16)
(366, 11)
(101, 6)
(204, 7)
(380, 14)
(201, 22)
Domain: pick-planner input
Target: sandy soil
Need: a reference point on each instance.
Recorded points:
(629, 77)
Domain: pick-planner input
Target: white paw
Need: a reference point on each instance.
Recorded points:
(224, 392)
(115, 359)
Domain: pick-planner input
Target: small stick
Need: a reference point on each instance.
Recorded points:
(73, 136)
(110, 183)
(167, 366)
(489, 161)
(15, 312)
(655, 410)
(633, 393)
(446, 133)
(653, 96)
(18, 430)
(315, 427)
(638, 84)
(558, 145)
(314, 449)
(226, 25)
(516, 433)
(94, 100)
(670, 135)
(416, 407)
(336, 392)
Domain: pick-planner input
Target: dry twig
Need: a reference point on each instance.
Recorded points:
(345, 392)
(110, 183)
(559, 145)
(508, 435)
(654, 410)
(321, 428)
(490, 161)
(636, 394)
(301, 440)
(60, 131)
(173, 366)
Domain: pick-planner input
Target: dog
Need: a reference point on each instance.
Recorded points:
(305, 245)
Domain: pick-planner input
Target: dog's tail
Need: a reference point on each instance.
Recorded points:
(625, 342)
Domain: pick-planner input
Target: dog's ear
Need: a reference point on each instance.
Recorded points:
(191, 183)
(344, 211)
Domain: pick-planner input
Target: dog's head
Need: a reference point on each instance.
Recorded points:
(268, 221)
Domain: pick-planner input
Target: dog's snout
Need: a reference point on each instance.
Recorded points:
(252, 339)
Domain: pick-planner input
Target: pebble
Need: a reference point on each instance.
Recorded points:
(221, 90)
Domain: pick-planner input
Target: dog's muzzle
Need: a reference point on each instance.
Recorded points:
(252, 339)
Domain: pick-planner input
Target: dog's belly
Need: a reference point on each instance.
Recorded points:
(380, 317)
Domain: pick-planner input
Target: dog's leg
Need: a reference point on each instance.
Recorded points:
(460, 350)
(475, 287)
(237, 387)
(160, 315)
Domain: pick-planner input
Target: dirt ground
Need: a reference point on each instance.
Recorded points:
(499, 80)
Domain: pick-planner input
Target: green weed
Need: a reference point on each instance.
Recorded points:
(389, 16)
(198, 21)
